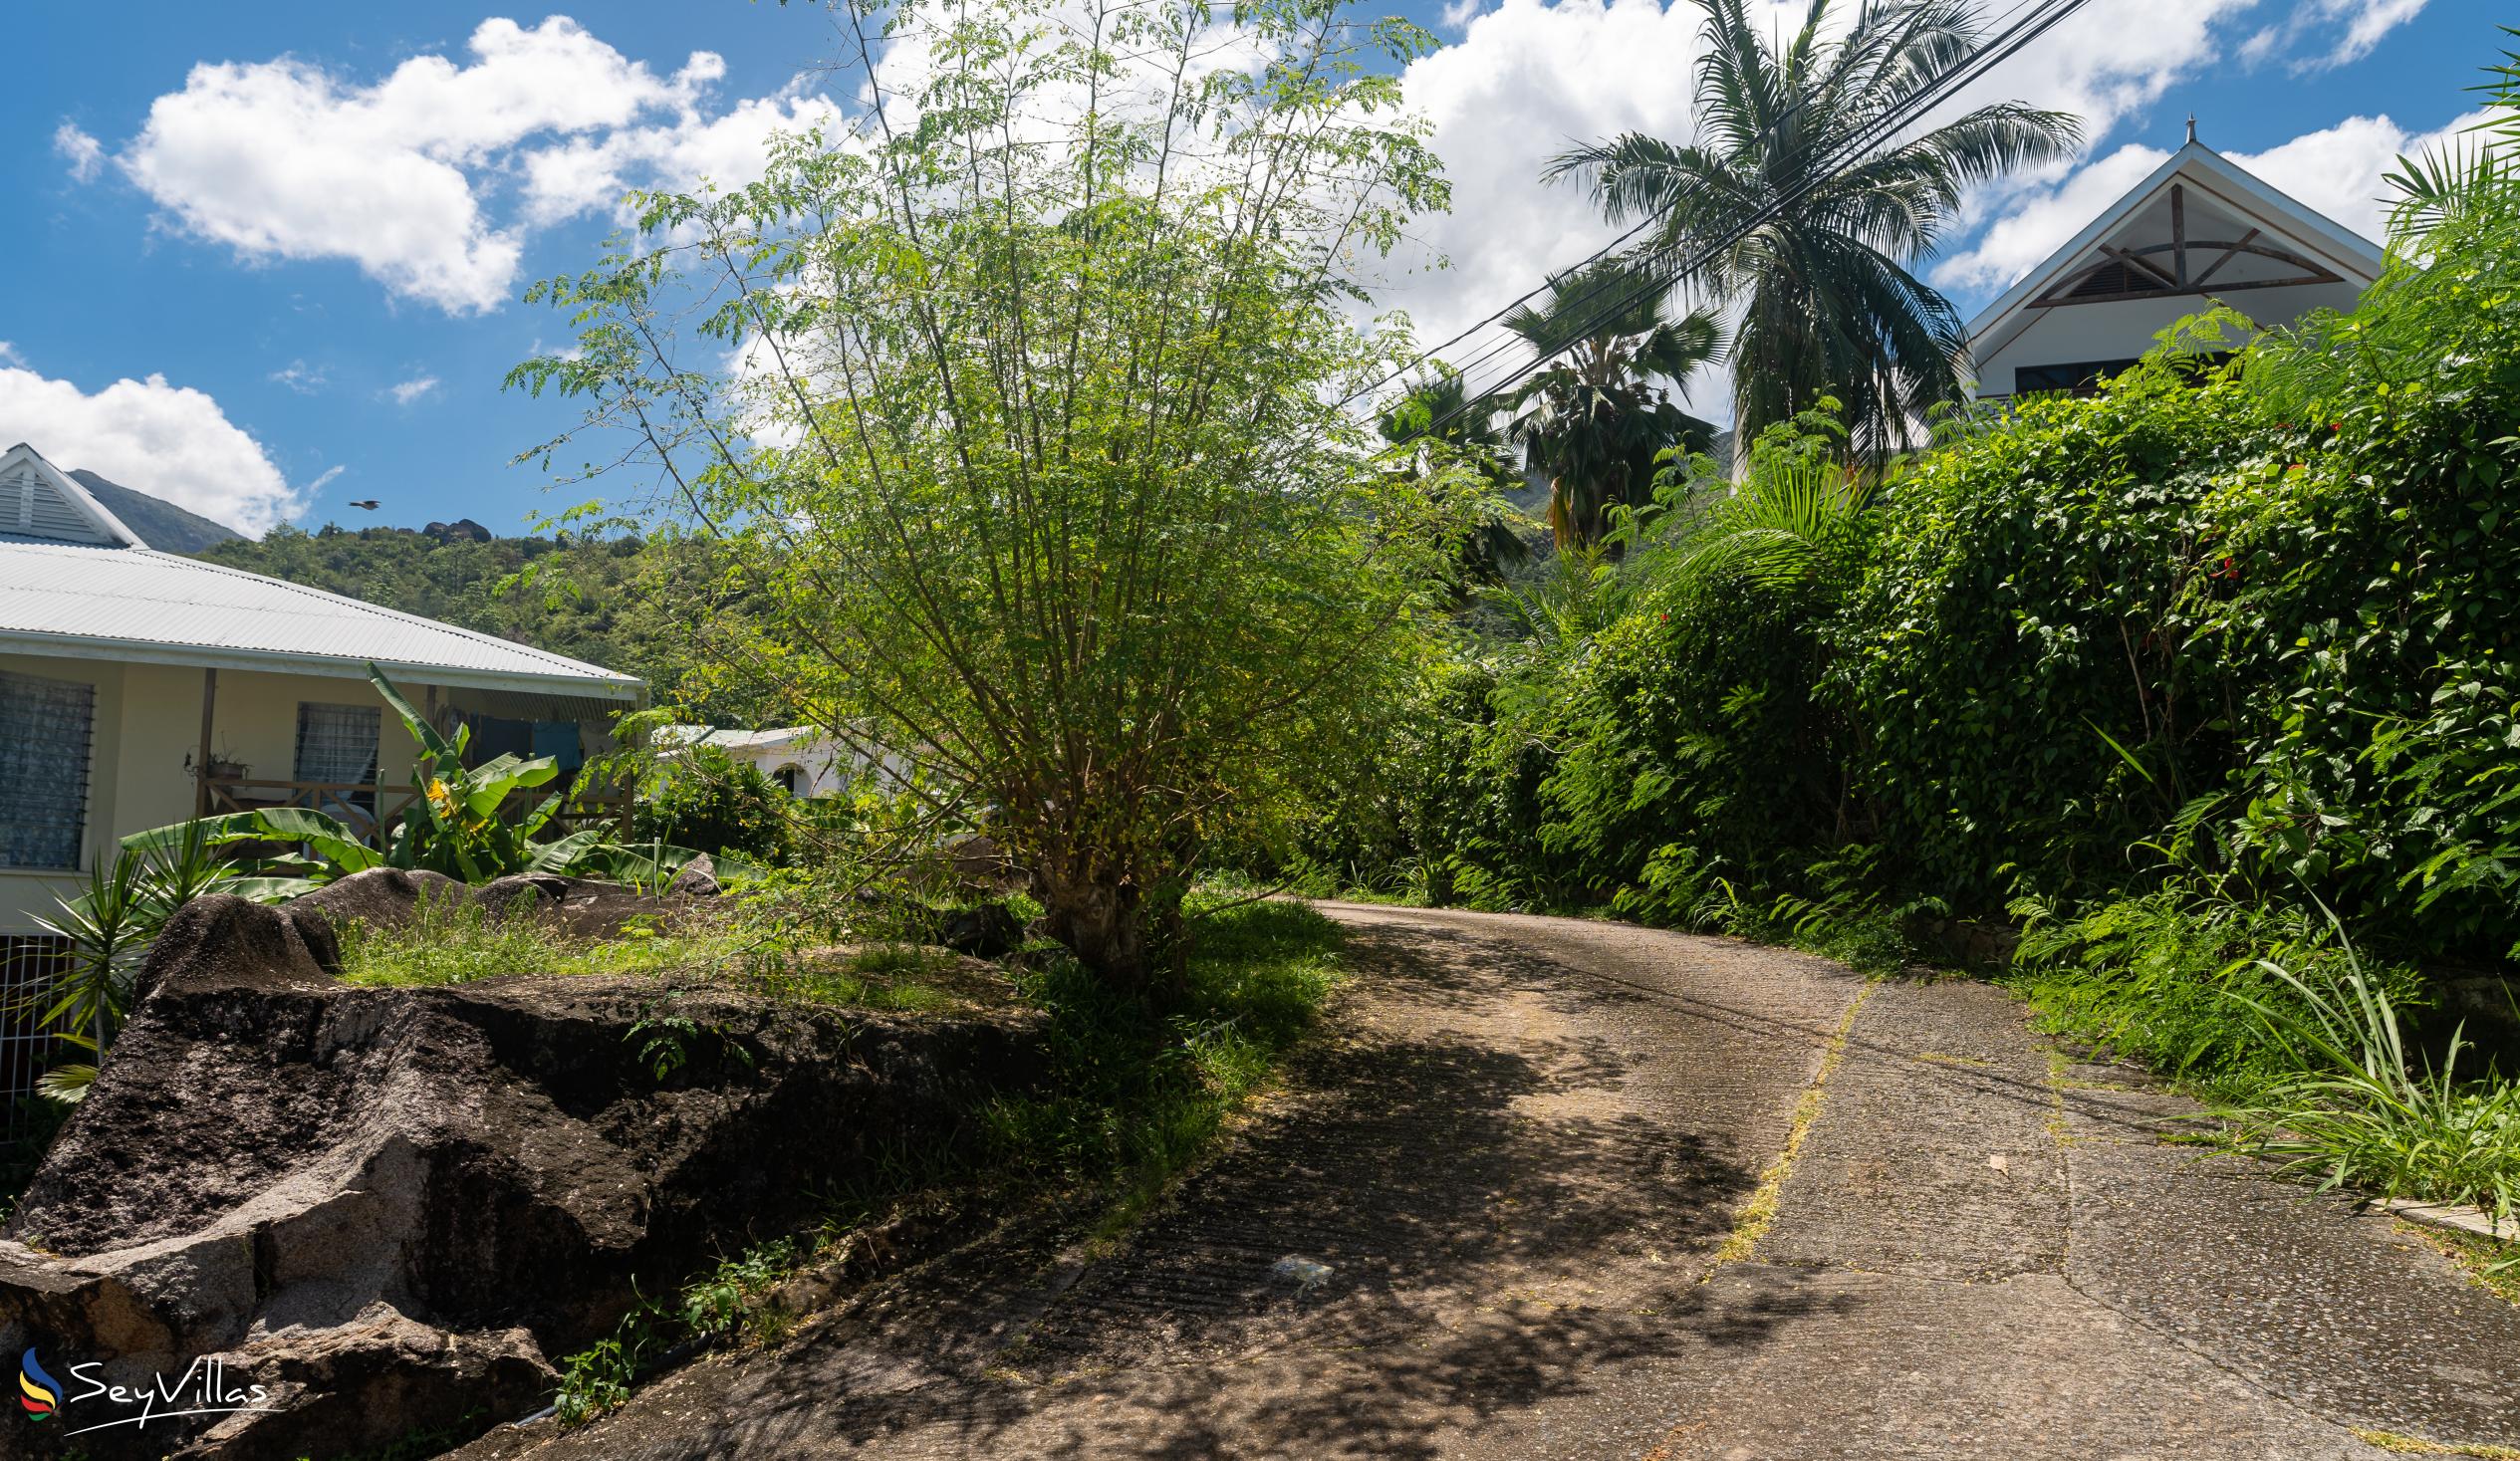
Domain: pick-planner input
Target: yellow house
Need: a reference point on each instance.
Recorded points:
(138, 688)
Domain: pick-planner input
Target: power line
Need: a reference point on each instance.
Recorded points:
(1989, 55)
(1993, 53)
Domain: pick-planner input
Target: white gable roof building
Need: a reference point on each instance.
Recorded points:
(138, 688)
(2200, 230)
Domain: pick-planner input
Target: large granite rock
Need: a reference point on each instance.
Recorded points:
(395, 1208)
(389, 898)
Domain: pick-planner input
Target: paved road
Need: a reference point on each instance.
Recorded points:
(1546, 1162)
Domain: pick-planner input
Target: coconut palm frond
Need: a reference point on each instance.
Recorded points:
(1818, 260)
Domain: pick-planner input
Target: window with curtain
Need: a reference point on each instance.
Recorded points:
(337, 743)
(45, 727)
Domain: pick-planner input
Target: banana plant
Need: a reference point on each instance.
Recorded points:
(452, 827)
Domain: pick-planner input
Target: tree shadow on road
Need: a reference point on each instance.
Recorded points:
(1500, 1226)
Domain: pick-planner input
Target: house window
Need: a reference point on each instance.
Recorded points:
(791, 780)
(336, 744)
(2080, 377)
(44, 730)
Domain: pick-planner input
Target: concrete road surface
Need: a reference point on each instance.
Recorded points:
(1590, 1191)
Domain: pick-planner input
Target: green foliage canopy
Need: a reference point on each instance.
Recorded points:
(1034, 450)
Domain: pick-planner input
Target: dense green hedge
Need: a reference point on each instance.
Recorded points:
(2244, 624)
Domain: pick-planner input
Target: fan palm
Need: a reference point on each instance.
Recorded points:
(1440, 429)
(1813, 243)
(1593, 416)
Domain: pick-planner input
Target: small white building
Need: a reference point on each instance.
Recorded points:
(139, 689)
(801, 759)
(2201, 231)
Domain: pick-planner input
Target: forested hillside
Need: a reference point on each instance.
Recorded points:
(625, 602)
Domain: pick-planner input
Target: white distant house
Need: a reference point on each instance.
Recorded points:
(138, 688)
(801, 758)
(2200, 230)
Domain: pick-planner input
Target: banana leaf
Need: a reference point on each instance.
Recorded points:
(427, 734)
(495, 779)
(565, 853)
(327, 836)
(544, 810)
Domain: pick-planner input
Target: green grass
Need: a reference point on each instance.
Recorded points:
(2306, 1050)
(1143, 1088)
(1138, 1089)
(2174, 982)
(2355, 1107)
(448, 942)
(458, 943)
(900, 977)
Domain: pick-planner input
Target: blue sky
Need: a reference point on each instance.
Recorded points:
(271, 253)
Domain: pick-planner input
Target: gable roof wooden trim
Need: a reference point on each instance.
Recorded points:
(41, 501)
(2324, 243)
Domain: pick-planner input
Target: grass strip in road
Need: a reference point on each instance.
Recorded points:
(2490, 1264)
(1760, 1211)
(2419, 1446)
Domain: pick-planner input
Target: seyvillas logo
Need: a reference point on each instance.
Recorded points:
(39, 1392)
(204, 1389)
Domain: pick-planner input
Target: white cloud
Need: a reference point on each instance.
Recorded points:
(2353, 28)
(584, 174)
(406, 392)
(2339, 171)
(169, 441)
(83, 153)
(301, 378)
(283, 159)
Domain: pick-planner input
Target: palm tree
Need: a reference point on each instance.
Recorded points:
(1439, 428)
(2454, 175)
(1813, 244)
(1593, 416)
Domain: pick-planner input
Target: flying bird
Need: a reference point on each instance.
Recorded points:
(369, 504)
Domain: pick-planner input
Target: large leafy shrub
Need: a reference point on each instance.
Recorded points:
(2261, 619)
(711, 802)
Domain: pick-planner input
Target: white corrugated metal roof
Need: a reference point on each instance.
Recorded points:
(735, 740)
(141, 604)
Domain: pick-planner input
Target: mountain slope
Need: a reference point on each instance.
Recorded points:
(160, 524)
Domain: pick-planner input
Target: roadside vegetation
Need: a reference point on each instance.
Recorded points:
(2191, 698)
(1032, 478)
(1135, 1096)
